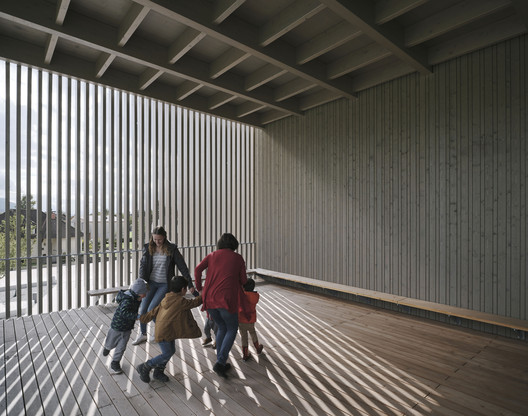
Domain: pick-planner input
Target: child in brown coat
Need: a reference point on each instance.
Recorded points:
(174, 320)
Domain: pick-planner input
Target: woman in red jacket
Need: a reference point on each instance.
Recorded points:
(226, 275)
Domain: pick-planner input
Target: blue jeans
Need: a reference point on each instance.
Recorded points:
(155, 294)
(209, 325)
(168, 349)
(227, 331)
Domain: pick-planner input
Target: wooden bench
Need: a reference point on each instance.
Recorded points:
(488, 318)
(106, 291)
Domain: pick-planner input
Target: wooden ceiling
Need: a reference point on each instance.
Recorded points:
(253, 61)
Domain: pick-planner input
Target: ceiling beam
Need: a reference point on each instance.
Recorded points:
(361, 14)
(507, 28)
(271, 116)
(387, 10)
(358, 59)
(224, 8)
(247, 108)
(185, 42)
(219, 99)
(452, 18)
(227, 61)
(50, 48)
(332, 38)
(288, 18)
(186, 89)
(241, 35)
(19, 51)
(98, 36)
(133, 19)
(148, 77)
(381, 74)
(292, 89)
(103, 63)
(316, 99)
(262, 76)
(62, 8)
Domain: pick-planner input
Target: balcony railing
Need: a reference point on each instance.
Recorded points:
(60, 282)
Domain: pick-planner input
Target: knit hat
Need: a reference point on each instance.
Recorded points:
(139, 287)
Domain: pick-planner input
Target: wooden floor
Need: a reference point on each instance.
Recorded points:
(322, 357)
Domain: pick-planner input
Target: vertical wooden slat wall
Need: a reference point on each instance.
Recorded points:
(417, 188)
(101, 168)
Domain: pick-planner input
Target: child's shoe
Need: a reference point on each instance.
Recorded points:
(245, 353)
(258, 347)
(115, 367)
(160, 375)
(144, 372)
(140, 339)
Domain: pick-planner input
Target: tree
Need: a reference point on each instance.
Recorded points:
(10, 252)
(11, 231)
(24, 202)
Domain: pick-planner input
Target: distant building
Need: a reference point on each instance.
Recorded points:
(100, 222)
(59, 231)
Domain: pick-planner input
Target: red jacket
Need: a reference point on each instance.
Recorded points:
(247, 313)
(226, 274)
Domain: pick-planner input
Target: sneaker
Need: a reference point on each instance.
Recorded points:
(144, 372)
(206, 341)
(140, 339)
(160, 375)
(220, 369)
(106, 351)
(115, 367)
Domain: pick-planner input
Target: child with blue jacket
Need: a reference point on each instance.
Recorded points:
(123, 322)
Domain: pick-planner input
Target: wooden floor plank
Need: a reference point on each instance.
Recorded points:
(28, 376)
(13, 381)
(3, 382)
(129, 364)
(46, 388)
(68, 404)
(63, 369)
(114, 386)
(235, 406)
(322, 356)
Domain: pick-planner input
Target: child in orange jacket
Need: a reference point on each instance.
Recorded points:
(247, 316)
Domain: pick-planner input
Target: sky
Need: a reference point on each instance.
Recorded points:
(48, 152)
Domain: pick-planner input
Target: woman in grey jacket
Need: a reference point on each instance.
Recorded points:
(157, 268)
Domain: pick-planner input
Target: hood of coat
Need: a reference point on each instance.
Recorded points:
(122, 294)
(169, 299)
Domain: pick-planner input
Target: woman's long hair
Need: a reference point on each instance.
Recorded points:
(152, 245)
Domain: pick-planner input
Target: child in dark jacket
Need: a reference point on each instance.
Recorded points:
(174, 320)
(123, 322)
(247, 316)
